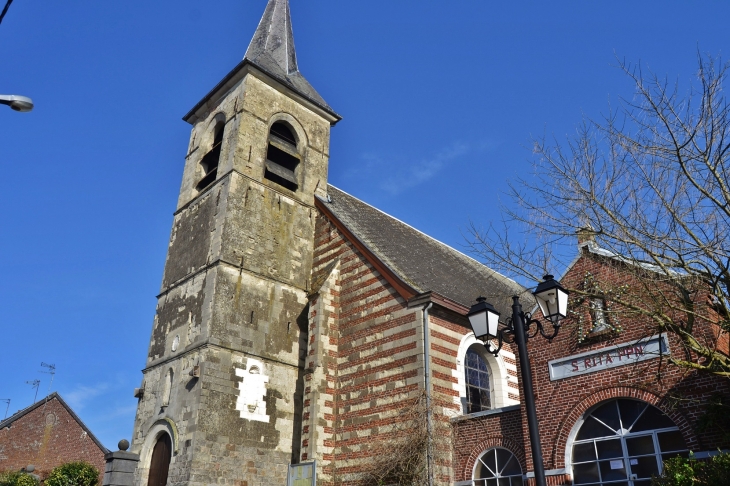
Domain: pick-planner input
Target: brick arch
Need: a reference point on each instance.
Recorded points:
(566, 427)
(489, 443)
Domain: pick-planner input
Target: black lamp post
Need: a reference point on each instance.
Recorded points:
(484, 319)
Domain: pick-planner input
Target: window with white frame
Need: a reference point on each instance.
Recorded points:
(624, 442)
(497, 467)
(477, 379)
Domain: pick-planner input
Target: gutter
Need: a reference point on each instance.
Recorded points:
(427, 386)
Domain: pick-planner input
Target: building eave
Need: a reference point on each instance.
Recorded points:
(238, 73)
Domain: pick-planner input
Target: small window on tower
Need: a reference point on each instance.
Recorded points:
(282, 157)
(209, 163)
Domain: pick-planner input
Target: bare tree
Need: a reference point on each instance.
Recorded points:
(400, 456)
(650, 183)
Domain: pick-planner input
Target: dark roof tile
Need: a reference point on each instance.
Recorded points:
(425, 264)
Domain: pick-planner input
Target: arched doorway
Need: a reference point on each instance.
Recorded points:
(624, 442)
(160, 462)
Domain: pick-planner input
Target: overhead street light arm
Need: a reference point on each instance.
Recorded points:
(17, 103)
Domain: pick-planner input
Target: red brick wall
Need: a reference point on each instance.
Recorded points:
(560, 404)
(47, 437)
(378, 343)
(473, 436)
(360, 320)
(679, 393)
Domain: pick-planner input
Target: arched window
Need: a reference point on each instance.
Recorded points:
(624, 442)
(167, 390)
(497, 467)
(209, 163)
(282, 157)
(160, 462)
(478, 389)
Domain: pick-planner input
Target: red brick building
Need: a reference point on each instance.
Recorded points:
(609, 405)
(47, 434)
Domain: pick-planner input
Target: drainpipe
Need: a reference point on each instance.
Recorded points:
(427, 385)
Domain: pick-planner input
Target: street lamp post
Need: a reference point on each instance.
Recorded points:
(484, 320)
(17, 103)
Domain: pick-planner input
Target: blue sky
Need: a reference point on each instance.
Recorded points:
(440, 101)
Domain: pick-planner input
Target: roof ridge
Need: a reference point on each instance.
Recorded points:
(449, 247)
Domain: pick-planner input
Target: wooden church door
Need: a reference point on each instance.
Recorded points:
(160, 463)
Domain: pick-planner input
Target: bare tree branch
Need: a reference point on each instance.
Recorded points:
(650, 182)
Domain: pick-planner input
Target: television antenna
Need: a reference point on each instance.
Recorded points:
(34, 384)
(51, 371)
(6, 400)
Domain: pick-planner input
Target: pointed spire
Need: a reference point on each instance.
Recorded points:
(274, 37)
(272, 51)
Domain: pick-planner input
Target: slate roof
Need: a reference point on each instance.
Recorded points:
(272, 50)
(425, 264)
(22, 413)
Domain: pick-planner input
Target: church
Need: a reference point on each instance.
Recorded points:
(297, 325)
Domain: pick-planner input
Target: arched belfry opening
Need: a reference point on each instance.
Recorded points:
(160, 462)
(209, 163)
(282, 156)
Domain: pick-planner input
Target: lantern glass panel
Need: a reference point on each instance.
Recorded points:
(478, 323)
(493, 318)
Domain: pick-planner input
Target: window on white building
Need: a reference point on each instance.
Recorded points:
(478, 389)
(497, 467)
(624, 442)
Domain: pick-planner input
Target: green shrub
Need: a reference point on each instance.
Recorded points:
(17, 479)
(73, 474)
(691, 472)
(678, 471)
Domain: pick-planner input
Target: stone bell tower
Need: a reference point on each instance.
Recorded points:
(222, 390)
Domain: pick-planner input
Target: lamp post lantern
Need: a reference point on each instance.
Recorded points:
(552, 299)
(17, 103)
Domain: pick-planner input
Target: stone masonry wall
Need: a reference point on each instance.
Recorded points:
(47, 437)
(234, 301)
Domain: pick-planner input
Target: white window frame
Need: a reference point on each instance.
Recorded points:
(498, 371)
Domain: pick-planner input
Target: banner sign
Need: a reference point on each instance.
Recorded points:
(304, 474)
(610, 357)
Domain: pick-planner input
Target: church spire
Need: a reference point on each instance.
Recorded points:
(274, 37)
(272, 51)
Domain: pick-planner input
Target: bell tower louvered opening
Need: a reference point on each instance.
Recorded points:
(282, 157)
(209, 163)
